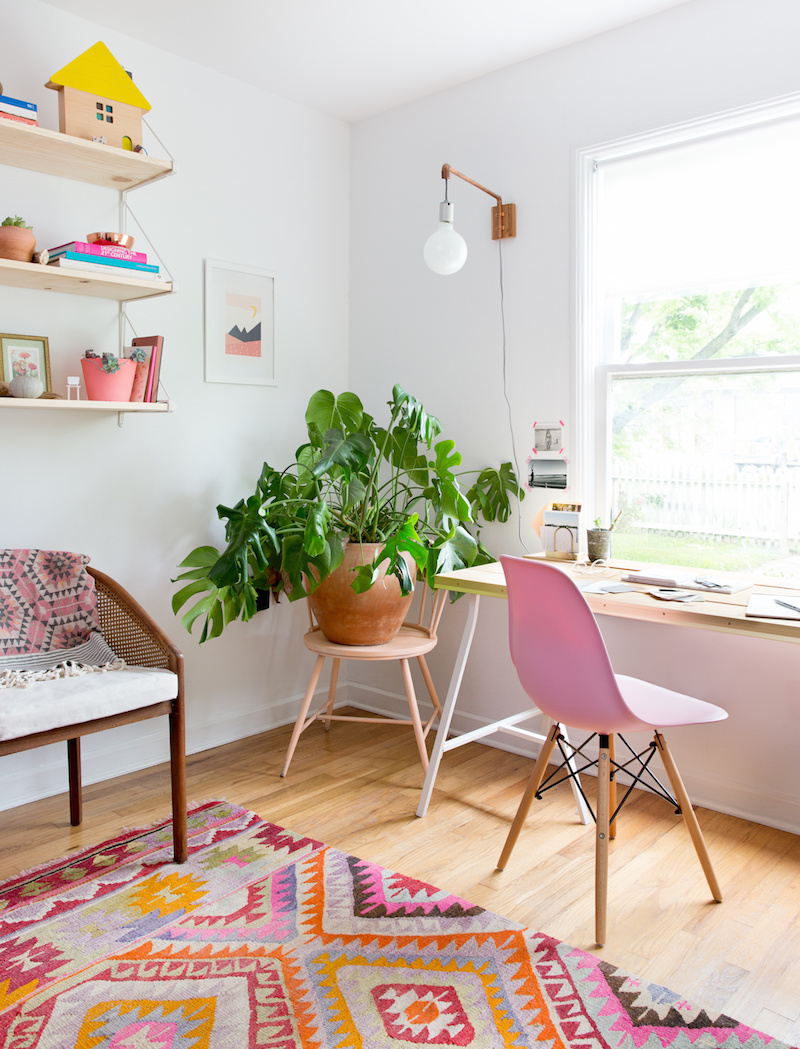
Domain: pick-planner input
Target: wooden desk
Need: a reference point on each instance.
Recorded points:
(720, 612)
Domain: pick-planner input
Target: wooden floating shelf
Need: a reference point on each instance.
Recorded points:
(78, 282)
(37, 149)
(50, 405)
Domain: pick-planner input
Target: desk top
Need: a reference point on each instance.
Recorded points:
(720, 612)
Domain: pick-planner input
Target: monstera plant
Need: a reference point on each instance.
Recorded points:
(355, 480)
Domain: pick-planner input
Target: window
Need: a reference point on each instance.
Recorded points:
(688, 372)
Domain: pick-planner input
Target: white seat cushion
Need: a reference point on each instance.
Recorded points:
(70, 700)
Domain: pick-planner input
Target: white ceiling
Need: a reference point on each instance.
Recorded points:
(353, 58)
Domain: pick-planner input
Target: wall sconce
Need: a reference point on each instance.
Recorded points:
(445, 250)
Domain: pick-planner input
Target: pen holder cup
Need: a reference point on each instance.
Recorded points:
(598, 541)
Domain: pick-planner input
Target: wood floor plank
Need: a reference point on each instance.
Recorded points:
(357, 787)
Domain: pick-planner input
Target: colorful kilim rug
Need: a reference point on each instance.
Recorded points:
(268, 939)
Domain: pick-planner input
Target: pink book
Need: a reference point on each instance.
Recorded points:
(139, 388)
(109, 251)
(154, 342)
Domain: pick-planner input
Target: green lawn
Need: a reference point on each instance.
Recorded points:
(693, 552)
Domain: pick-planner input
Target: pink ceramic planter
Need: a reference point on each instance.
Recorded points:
(108, 386)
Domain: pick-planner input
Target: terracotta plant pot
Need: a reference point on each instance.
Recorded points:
(17, 243)
(108, 386)
(348, 618)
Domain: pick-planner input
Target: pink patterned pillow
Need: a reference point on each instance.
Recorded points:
(47, 601)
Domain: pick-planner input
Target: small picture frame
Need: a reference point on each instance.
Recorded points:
(240, 324)
(25, 355)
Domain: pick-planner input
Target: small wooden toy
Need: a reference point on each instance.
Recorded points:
(98, 99)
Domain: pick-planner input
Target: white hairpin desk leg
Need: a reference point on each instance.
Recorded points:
(442, 743)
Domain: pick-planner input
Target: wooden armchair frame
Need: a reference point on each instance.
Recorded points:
(133, 634)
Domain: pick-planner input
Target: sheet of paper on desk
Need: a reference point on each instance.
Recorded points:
(672, 593)
(765, 606)
(604, 588)
(708, 584)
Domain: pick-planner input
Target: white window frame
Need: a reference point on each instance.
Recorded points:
(591, 375)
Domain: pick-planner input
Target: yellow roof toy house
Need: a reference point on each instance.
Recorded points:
(97, 99)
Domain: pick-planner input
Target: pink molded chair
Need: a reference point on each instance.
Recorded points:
(563, 665)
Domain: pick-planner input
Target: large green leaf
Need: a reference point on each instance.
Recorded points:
(405, 539)
(314, 540)
(351, 452)
(327, 412)
(490, 492)
(426, 427)
(457, 550)
(200, 557)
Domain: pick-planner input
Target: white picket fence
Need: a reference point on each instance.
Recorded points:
(760, 503)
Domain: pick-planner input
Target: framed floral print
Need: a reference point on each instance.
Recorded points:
(27, 355)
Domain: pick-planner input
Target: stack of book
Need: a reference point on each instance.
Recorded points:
(103, 258)
(15, 109)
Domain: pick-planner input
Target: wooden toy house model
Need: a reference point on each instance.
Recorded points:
(98, 99)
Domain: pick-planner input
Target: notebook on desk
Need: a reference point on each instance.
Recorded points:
(766, 606)
(708, 584)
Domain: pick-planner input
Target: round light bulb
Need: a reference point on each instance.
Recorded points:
(445, 251)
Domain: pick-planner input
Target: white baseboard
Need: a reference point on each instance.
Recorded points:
(731, 796)
(42, 773)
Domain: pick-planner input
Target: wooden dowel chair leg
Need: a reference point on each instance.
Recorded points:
(689, 817)
(177, 757)
(414, 711)
(612, 788)
(298, 725)
(75, 791)
(602, 830)
(534, 783)
(426, 675)
(331, 694)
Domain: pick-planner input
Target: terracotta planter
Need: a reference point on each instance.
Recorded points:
(17, 243)
(108, 386)
(348, 618)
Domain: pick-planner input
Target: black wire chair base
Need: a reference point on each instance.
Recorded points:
(640, 774)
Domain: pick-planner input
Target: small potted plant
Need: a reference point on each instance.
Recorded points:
(598, 539)
(17, 241)
(107, 377)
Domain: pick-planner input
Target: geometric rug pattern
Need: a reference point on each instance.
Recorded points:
(270, 940)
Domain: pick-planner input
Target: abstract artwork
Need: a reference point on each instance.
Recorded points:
(240, 324)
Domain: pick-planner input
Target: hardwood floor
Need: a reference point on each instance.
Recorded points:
(357, 788)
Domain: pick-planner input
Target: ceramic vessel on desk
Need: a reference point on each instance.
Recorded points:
(598, 541)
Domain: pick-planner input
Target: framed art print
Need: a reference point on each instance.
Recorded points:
(25, 355)
(240, 324)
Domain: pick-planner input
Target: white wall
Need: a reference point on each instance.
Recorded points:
(516, 132)
(259, 181)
